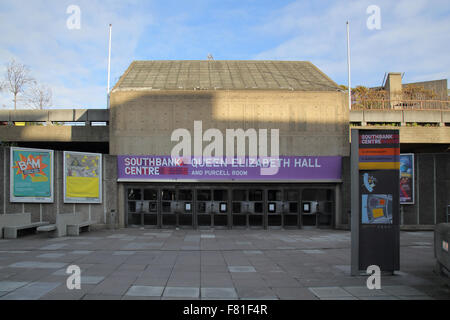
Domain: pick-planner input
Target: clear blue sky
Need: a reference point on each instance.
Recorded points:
(414, 38)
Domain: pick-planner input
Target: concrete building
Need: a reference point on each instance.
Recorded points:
(157, 105)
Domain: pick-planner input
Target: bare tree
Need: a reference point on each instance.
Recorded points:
(17, 78)
(39, 96)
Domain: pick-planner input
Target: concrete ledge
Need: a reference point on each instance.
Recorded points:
(80, 115)
(55, 133)
(424, 116)
(98, 115)
(356, 116)
(383, 116)
(61, 115)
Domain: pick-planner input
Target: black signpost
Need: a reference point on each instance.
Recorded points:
(375, 225)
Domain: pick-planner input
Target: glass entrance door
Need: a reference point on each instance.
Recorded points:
(318, 207)
(274, 207)
(185, 207)
(134, 207)
(142, 207)
(220, 208)
(256, 208)
(150, 207)
(169, 204)
(239, 208)
(204, 208)
(291, 209)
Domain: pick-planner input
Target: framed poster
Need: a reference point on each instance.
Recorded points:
(82, 177)
(407, 178)
(31, 175)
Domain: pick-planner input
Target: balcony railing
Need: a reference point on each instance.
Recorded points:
(382, 104)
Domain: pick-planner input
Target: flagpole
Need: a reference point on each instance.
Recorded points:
(109, 63)
(348, 68)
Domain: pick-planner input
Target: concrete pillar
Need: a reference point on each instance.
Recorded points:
(394, 88)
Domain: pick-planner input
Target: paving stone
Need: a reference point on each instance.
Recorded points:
(124, 253)
(364, 291)
(81, 252)
(31, 291)
(55, 246)
(339, 298)
(208, 236)
(226, 293)
(117, 236)
(241, 269)
(329, 292)
(91, 279)
(101, 297)
(379, 298)
(37, 264)
(145, 291)
(313, 251)
(181, 292)
(51, 255)
(60, 272)
(11, 285)
(250, 252)
(291, 293)
(401, 291)
(415, 297)
(256, 293)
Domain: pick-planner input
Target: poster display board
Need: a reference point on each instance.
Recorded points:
(375, 199)
(82, 177)
(31, 175)
(407, 178)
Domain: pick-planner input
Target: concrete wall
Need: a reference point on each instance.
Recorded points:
(310, 123)
(47, 211)
(438, 86)
(432, 191)
(51, 132)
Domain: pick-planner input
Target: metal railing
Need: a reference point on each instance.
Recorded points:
(382, 104)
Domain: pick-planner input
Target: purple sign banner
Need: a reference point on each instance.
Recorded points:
(282, 168)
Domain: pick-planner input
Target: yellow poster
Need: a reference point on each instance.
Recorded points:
(82, 177)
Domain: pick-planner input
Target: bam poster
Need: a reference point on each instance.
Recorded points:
(31, 175)
(82, 177)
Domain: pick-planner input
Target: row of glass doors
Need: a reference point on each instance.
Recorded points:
(196, 206)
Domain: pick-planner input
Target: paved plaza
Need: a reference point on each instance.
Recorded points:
(209, 264)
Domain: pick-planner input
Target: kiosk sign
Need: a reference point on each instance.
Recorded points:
(377, 153)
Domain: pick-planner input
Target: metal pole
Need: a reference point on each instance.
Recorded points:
(348, 67)
(109, 61)
(354, 222)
